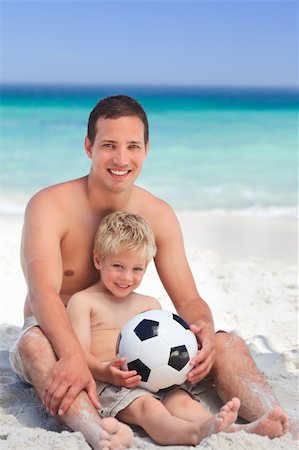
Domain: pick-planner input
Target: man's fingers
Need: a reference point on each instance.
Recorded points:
(54, 398)
(68, 399)
(92, 393)
(201, 370)
(50, 391)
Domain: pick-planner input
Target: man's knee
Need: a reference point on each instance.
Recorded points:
(32, 343)
(230, 343)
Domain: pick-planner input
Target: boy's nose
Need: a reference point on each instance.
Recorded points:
(126, 275)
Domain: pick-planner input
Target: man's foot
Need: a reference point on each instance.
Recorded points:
(273, 424)
(114, 435)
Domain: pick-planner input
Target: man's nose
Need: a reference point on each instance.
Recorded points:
(120, 157)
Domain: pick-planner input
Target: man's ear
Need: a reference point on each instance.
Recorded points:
(97, 261)
(88, 147)
(147, 148)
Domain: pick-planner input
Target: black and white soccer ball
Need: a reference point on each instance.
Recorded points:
(158, 345)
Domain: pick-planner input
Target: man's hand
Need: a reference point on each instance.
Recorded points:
(114, 375)
(67, 378)
(203, 360)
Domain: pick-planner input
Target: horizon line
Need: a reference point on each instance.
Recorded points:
(146, 86)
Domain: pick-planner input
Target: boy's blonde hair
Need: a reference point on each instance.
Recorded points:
(122, 232)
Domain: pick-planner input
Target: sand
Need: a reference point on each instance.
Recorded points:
(245, 268)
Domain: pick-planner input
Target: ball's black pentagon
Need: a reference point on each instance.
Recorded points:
(117, 343)
(147, 329)
(181, 321)
(178, 357)
(140, 368)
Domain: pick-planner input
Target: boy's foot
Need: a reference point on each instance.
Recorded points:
(227, 416)
(273, 424)
(222, 421)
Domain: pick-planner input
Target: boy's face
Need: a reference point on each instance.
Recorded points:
(121, 274)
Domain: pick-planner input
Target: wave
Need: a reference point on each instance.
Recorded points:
(16, 208)
(287, 212)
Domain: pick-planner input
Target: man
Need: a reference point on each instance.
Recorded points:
(60, 223)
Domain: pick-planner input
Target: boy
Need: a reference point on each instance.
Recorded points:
(124, 244)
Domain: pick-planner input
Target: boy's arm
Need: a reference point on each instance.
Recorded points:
(43, 232)
(176, 276)
(79, 310)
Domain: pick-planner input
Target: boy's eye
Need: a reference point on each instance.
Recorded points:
(138, 269)
(117, 266)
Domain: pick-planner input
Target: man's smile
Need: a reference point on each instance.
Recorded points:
(118, 172)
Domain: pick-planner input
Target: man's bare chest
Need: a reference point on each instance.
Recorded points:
(77, 259)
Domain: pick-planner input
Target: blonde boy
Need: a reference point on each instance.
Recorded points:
(124, 245)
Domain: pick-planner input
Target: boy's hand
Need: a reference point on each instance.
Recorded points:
(203, 361)
(114, 375)
(66, 379)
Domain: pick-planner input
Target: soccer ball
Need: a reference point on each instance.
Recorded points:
(158, 345)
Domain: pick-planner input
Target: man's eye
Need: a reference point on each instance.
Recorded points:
(107, 145)
(134, 147)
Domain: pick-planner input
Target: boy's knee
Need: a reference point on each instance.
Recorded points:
(148, 405)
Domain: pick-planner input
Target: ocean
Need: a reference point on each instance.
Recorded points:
(214, 149)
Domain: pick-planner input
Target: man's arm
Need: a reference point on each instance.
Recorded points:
(176, 276)
(43, 231)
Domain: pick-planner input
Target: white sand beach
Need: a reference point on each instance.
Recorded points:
(245, 268)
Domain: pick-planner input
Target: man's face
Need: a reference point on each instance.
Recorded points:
(118, 152)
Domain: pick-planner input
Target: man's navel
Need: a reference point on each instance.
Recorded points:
(68, 272)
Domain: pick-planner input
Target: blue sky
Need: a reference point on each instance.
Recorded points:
(224, 43)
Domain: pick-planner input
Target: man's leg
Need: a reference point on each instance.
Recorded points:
(38, 357)
(236, 375)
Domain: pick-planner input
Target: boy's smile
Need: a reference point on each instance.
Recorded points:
(121, 274)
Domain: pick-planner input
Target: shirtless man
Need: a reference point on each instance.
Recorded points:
(60, 223)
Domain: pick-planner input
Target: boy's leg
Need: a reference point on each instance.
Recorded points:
(272, 424)
(168, 429)
(38, 356)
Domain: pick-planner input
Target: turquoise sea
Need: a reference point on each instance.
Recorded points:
(211, 149)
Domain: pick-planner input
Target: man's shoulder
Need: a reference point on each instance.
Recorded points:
(60, 188)
(150, 202)
(58, 193)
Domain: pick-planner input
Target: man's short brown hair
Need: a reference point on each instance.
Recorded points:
(114, 107)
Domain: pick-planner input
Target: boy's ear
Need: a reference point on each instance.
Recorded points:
(96, 261)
